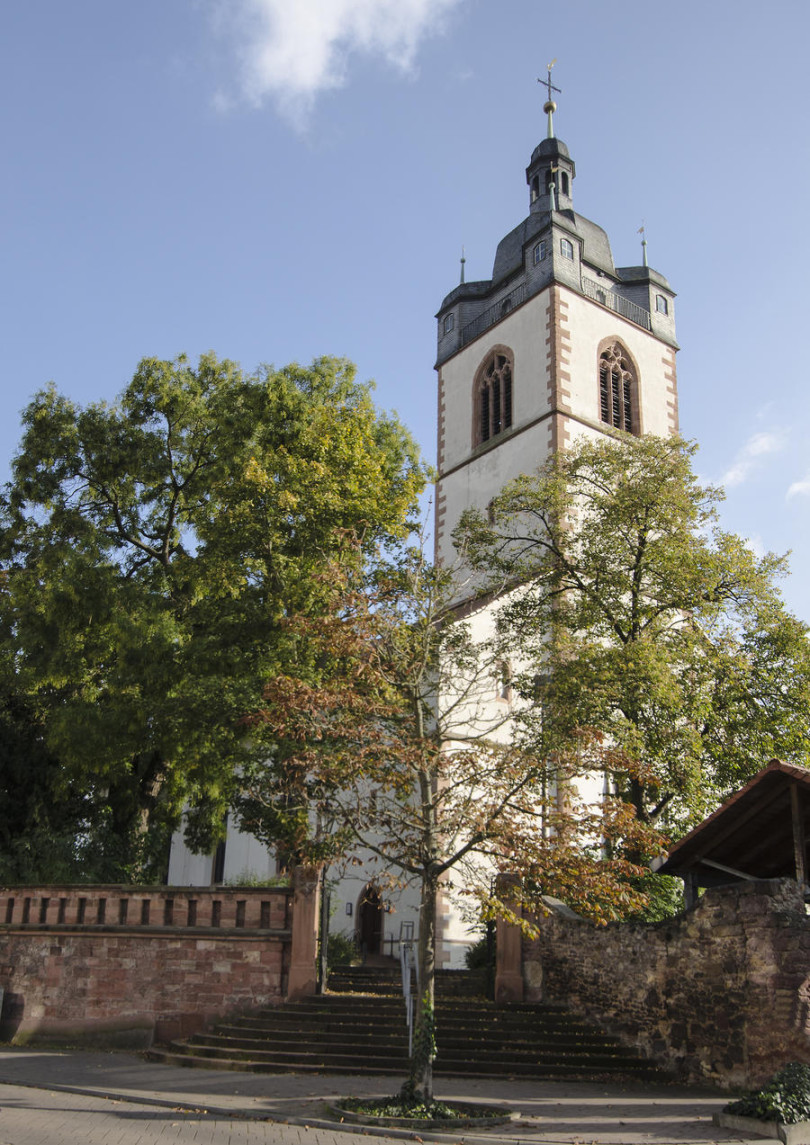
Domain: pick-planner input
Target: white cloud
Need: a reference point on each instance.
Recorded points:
(756, 545)
(290, 51)
(757, 446)
(800, 488)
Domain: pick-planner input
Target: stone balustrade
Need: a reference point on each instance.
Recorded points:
(116, 907)
(126, 965)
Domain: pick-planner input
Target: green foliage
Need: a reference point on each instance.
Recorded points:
(150, 550)
(663, 897)
(416, 1109)
(478, 956)
(248, 878)
(423, 1055)
(656, 646)
(785, 1098)
(341, 950)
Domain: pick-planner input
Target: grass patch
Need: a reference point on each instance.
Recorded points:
(416, 1110)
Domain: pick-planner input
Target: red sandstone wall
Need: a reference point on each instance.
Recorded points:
(720, 993)
(182, 958)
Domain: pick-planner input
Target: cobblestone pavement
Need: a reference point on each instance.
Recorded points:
(50, 1096)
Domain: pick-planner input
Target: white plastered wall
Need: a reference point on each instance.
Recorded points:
(590, 325)
(474, 475)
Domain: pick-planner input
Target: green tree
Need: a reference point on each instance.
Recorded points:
(644, 626)
(152, 548)
(397, 745)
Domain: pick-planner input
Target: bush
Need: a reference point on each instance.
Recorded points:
(664, 897)
(341, 950)
(477, 956)
(785, 1098)
(248, 878)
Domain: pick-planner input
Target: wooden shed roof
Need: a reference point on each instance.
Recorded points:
(761, 832)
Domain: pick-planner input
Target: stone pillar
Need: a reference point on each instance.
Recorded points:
(509, 947)
(303, 978)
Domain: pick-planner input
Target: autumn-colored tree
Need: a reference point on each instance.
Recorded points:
(152, 548)
(399, 742)
(643, 625)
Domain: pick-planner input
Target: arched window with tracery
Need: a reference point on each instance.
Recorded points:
(493, 396)
(618, 389)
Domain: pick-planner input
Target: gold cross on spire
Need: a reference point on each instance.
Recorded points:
(549, 106)
(547, 82)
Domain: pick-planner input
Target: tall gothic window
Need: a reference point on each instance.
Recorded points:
(617, 389)
(493, 396)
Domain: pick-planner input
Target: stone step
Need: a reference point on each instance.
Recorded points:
(480, 1018)
(222, 1044)
(373, 980)
(498, 1027)
(366, 1034)
(397, 1040)
(599, 1069)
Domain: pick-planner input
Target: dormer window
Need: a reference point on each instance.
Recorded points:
(567, 249)
(539, 252)
(492, 406)
(449, 322)
(661, 304)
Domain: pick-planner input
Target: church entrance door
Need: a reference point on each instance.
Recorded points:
(369, 923)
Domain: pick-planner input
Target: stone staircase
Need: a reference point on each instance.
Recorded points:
(359, 1027)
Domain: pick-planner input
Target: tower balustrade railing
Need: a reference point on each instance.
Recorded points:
(630, 310)
(525, 290)
(493, 314)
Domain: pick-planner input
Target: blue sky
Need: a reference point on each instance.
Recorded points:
(278, 179)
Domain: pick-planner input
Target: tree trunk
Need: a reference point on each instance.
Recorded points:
(421, 1073)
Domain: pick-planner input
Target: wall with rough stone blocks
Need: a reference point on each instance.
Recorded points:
(721, 993)
(130, 965)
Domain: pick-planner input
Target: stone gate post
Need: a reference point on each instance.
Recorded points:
(509, 947)
(303, 977)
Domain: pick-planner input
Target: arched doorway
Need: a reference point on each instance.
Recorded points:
(369, 920)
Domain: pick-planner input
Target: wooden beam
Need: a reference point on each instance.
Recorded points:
(728, 870)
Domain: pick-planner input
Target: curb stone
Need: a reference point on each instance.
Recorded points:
(797, 1134)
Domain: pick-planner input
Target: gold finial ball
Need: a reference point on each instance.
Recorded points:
(549, 105)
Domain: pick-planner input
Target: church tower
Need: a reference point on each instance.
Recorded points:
(558, 343)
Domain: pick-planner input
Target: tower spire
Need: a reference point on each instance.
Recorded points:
(463, 260)
(549, 106)
(642, 230)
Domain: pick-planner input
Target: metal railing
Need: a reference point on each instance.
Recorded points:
(525, 290)
(630, 310)
(407, 962)
(494, 313)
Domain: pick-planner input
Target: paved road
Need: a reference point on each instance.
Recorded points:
(52, 1097)
(43, 1117)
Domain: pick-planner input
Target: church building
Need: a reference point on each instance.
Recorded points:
(558, 343)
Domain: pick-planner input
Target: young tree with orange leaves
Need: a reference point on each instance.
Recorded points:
(392, 738)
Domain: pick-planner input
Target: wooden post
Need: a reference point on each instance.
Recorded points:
(799, 842)
(689, 890)
(509, 948)
(303, 977)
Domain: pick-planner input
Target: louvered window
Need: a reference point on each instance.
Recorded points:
(494, 397)
(617, 385)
